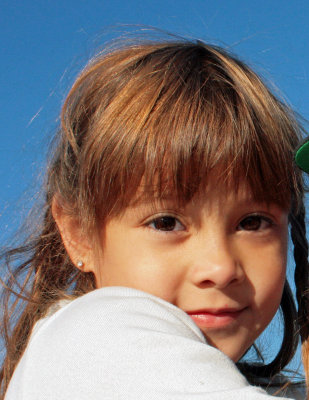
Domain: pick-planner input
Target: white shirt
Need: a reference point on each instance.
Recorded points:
(119, 343)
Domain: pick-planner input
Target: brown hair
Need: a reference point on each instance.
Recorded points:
(162, 115)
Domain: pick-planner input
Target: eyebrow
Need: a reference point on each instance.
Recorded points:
(145, 198)
(166, 203)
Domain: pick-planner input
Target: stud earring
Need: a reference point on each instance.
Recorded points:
(79, 264)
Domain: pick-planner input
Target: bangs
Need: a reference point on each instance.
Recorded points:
(180, 115)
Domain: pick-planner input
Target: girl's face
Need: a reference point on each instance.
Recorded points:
(221, 259)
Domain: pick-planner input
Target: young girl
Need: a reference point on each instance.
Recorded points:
(163, 246)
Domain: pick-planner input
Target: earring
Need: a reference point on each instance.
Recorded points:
(79, 264)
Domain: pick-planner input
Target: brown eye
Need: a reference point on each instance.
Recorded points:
(254, 223)
(166, 223)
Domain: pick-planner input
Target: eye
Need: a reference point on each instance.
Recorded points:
(166, 223)
(254, 223)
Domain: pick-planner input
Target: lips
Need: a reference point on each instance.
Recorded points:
(215, 318)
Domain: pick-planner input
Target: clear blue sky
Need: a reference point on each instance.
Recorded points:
(44, 43)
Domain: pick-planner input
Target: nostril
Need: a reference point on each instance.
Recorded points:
(235, 280)
(206, 284)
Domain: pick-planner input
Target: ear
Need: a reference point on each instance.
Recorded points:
(74, 239)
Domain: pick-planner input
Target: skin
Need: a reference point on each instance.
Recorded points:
(221, 258)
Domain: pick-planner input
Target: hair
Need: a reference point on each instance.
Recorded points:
(161, 116)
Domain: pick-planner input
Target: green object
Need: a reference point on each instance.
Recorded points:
(302, 156)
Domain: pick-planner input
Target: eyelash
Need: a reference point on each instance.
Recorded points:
(258, 219)
(166, 216)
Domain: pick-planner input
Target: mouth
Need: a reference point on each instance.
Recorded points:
(214, 319)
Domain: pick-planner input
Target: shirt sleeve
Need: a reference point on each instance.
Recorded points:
(124, 344)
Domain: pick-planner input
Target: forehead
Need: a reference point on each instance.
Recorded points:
(212, 193)
(212, 207)
(214, 186)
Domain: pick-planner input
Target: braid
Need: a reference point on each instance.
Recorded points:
(298, 235)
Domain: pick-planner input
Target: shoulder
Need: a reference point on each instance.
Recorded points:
(116, 308)
(125, 344)
(100, 325)
(102, 336)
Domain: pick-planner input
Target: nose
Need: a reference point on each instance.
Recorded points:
(215, 264)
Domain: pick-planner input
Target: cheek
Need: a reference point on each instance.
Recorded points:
(128, 259)
(268, 280)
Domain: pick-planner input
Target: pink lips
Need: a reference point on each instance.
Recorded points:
(215, 319)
